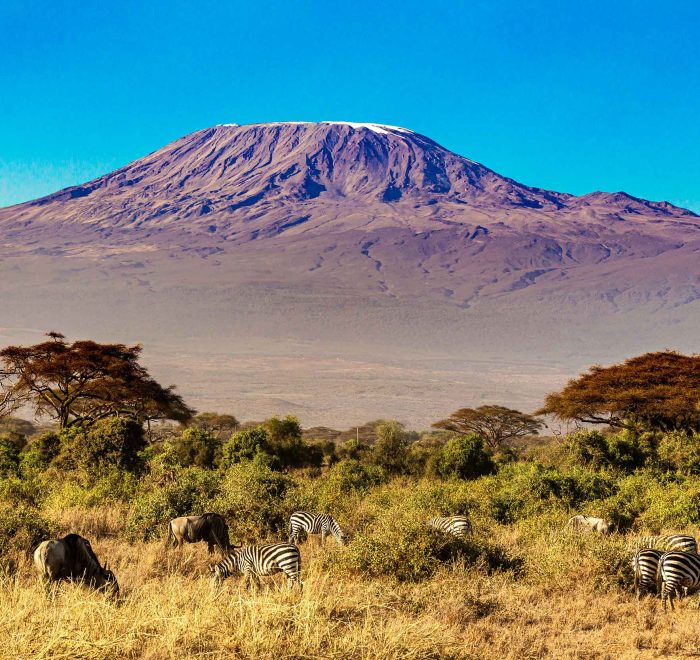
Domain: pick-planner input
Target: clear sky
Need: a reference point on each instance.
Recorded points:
(569, 95)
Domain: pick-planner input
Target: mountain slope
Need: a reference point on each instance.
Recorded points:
(338, 240)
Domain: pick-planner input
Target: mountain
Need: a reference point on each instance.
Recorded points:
(333, 255)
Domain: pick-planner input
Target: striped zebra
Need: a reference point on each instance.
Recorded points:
(677, 571)
(314, 523)
(256, 561)
(646, 566)
(673, 542)
(458, 526)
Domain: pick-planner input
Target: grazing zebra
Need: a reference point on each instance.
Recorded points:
(646, 566)
(456, 525)
(314, 523)
(256, 561)
(675, 542)
(678, 570)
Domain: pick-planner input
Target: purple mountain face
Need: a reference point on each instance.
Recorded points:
(340, 241)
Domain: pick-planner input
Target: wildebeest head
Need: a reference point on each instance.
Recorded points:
(110, 584)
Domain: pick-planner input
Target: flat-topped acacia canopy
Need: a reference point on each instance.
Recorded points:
(84, 381)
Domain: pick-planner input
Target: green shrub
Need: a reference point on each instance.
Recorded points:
(39, 454)
(622, 451)
(244, 446)
(390, 451)
(190, 492)
(109, 443)
(198, 447)
(71, 490)
(401, 546)
(680, 451)
(9, 457)
(251, 496)
(22, 529)
(463, 457)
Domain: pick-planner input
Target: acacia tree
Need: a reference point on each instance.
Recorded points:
(655, 391)
(495, 424)
(84, 381)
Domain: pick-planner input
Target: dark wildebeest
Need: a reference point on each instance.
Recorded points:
(72, 558)
(209, 527)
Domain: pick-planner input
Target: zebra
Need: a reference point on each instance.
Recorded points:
(678, 570)
(673, 542)
(256, 561)
(458, 526)
(646, 565)
(314, 523)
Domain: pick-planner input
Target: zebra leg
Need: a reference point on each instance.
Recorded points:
(323, 537)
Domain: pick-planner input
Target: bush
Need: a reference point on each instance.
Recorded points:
(190, 492)
(401, 546)
(252, 497)
(110, 443)
(41, 452)
(9, 457)
(286, 443)
(680, 451)
(390, 451)
(245, 445)
(22, 529)
(198, 447)
(70, 491)
(622, 450)
(463, 457)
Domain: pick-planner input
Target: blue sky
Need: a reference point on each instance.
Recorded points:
(571, 96)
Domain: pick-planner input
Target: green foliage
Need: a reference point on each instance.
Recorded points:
(108, 444)
(112, 486)
(463, 457)
(9, 457)
(198, 447)
(23, 528)
(400, 545)
(189, 491)
(286, 443)
(251, 496)
(245, 445)
(353, 450)
(390, 450)
(219, 425)
(621, 451)
(39, 454)
(680, 452)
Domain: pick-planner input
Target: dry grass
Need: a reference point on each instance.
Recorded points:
(170, 609)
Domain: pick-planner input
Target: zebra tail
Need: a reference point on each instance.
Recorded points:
(660, 583)
(171, 535)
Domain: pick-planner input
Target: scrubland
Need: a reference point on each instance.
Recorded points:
(521, 585)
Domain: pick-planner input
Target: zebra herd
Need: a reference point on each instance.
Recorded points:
(669, 565)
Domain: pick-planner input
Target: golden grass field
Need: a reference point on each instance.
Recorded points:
(558, 606)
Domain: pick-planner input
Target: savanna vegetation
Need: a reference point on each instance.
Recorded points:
(521, 584)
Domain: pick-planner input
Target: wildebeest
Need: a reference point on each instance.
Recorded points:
(209, 527)
(72, 558)
(596, 524)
